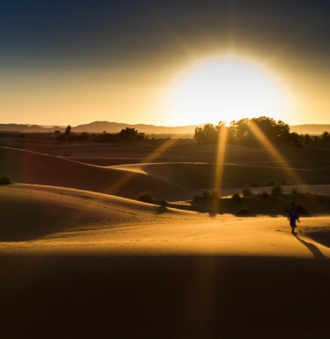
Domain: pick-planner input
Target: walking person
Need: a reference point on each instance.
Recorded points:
(293, 216)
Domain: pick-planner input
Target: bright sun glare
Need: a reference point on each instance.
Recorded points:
(225, 89)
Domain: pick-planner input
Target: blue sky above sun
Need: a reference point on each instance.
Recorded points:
(164, 62)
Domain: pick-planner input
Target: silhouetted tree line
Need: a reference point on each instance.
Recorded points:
(125, 135)
(254, 132)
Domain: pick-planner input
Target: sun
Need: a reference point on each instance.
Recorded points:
(224, 89)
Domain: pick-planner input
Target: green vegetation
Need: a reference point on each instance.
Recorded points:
(5, 180)
(277, 189)
(207, 135)
(236, 197)
(125, 135)
(206, 195)
(163, 203)
(254, 132)
(265, 195)
(246, 192)
(248, 132)
(263, 203)
(146, 197)
(67, 131)
(130, 135)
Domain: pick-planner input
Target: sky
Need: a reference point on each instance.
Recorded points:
(165, 62)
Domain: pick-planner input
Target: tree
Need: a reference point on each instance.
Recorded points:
(283, 130)
(294, 139)
(277, 189)
(130, 134)
(67, 130)
(206, 135)
(325, 136)
(5, 180)
(223, 132)
(239, 129)
(270, 128)
(251, 130)
(307, 139)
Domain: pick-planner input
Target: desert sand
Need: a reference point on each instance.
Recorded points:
(80, 257)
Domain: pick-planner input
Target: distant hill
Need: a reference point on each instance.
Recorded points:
(115, 127)
(310, 129)
(28, 128)
(100, 127)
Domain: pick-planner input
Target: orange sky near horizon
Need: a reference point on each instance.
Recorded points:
(131, 76)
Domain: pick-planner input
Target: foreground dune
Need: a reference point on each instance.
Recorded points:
(78, 264)
(43, 218)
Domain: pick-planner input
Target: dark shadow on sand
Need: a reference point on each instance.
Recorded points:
(312, 248)
(322, 237)
(94, 295)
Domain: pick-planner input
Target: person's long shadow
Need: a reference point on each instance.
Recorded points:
(314, 250)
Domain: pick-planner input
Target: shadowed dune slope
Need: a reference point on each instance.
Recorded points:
(37, 168)
(202, 175)
(170, 180)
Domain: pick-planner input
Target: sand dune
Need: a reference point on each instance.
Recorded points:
(78, 264)
(172, 181)
(33, 211)
(80, 260)
(36, 212)
(37, 168)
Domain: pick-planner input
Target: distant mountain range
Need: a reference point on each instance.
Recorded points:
(100, 127)
(27, 128)
(114, 127)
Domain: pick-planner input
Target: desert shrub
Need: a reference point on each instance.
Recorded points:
(244, 211)
(146, 197)
(295, 190)
(4, 180)
(206, 195)
(163, 203)
(246, 191)
(236, 197)
(277, 190)
(264, 195)
(301, 209)
(198, 199)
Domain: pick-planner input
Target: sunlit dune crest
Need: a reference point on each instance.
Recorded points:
(82, 220)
